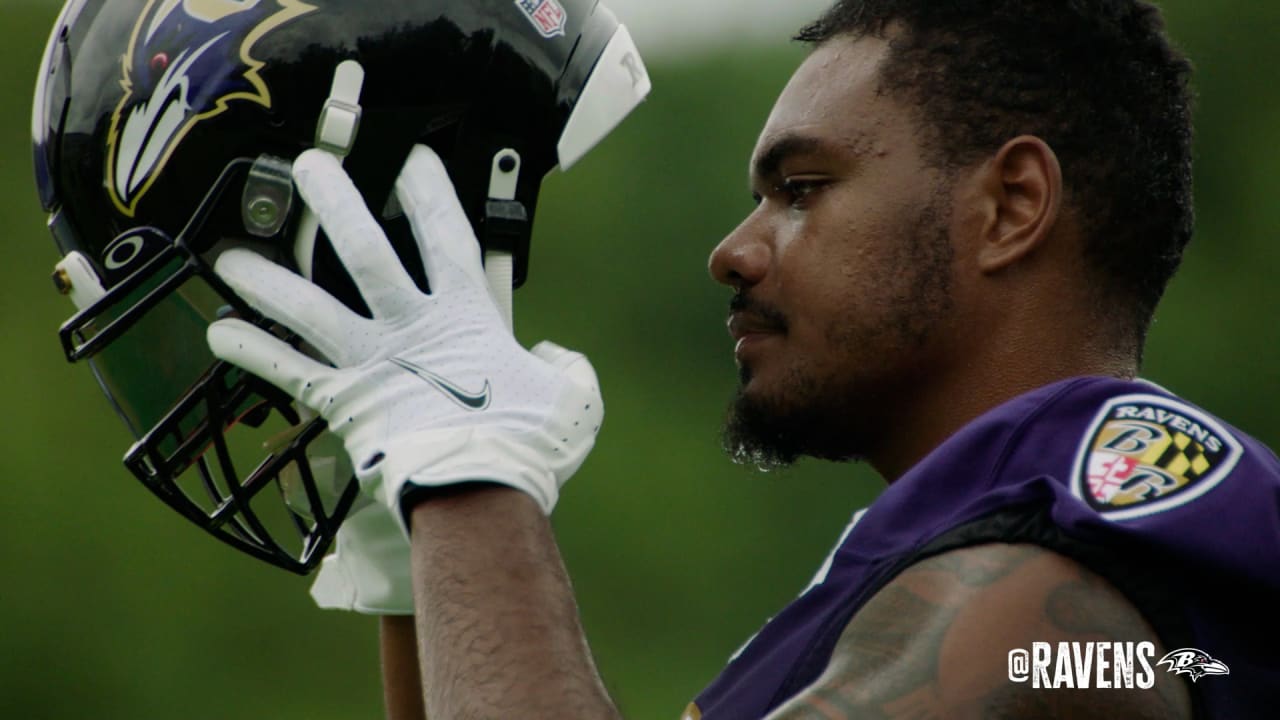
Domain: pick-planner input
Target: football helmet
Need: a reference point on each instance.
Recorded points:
(164, 132)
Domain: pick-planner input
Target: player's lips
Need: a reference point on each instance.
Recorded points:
(750, 330)
(743, 325)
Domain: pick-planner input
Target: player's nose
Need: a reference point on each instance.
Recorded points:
(742, 259)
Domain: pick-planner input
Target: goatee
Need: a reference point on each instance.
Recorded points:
(762, 433)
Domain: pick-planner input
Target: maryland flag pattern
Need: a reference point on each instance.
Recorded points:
(1146, 454)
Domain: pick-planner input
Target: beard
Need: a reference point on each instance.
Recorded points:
(767, 434)
(831, 416)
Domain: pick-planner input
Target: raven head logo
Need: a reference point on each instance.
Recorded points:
(186, 61)
(1196, 663)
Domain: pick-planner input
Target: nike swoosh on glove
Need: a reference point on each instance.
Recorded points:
(433, 390)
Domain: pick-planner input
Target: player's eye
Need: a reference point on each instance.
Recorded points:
(795, 191)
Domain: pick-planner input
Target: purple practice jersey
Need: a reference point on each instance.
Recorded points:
(1177, 509)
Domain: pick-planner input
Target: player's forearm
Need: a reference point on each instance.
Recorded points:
(498, 626)
(401, 678)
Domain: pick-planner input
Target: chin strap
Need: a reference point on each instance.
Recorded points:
(336, 134)
(505, 222)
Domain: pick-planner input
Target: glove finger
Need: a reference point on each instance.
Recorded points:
(448, 245)
(356, 236)
(291, 301)
(260, 353)
(573, 365)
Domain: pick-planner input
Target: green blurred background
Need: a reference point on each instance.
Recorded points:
(111, 606)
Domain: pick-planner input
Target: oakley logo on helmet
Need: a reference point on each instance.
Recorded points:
(186, 61)
(130, 251)
(546, 15)
(122, 253)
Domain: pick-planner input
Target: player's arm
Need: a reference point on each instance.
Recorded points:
(401, 678)
(934, 643)
(431, 394)
(498, 625)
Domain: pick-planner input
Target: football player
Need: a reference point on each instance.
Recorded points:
(966, 215)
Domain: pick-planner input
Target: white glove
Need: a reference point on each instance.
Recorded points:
(433, 390)
(369, 570)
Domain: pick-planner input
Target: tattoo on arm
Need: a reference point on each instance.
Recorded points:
(921, 648)
(978, 569)
(1083, 607)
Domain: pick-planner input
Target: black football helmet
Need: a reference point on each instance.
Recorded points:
(164, 132)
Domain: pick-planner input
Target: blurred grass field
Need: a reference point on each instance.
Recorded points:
(113, 607)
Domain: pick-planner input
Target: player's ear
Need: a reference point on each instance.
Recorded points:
(1022, 188)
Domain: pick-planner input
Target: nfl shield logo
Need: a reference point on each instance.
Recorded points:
(546, 15)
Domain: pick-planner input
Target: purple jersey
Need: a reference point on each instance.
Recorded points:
(1176, 508)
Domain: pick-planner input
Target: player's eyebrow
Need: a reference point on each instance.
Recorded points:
(769, 161)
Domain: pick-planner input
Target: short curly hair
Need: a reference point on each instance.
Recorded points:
(1098, 80)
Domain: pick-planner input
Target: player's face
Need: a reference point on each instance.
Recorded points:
(842, 271)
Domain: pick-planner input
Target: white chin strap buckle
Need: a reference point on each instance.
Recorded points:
(336, 134)
(340, 117)
(75, 277)
(506, 229)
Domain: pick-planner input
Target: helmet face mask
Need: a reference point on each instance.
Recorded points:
(163, 134)
(225, 449)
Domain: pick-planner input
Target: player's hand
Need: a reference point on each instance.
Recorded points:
(433, 390)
